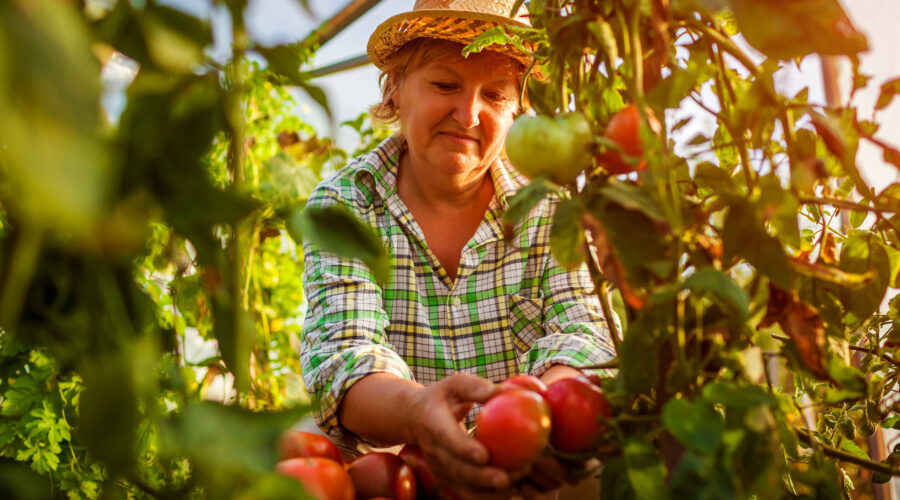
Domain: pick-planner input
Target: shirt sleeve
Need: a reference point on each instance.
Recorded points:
(576, 333)
(345, 330)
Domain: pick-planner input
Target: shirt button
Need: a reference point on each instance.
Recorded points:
(457, 302)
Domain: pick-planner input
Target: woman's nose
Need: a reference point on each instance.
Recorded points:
(468, 109)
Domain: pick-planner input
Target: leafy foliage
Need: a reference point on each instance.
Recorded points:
(752, 279)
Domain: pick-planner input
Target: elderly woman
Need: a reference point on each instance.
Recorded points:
(466, 307)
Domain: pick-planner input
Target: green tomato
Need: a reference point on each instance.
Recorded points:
(559, 147)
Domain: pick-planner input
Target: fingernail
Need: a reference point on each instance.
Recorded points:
(499, 481)
(478, 456)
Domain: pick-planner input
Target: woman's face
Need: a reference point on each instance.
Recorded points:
(455, 112)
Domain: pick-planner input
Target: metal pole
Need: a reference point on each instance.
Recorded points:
(353, 62)
(330, 28)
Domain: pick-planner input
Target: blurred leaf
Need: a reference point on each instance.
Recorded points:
(526, 198)
(336, 229)
(696, 424)
(712, 180)
(274, 486)
(609, 263)
(862, 253)
(174, 40)
(725, 149)
(226, 440)
(614, 481)
(780, 207)
(19, 483)
(53, 158)
(765, 254)
(632, 197)
(852, 382)
(669, 92)
(639, 350)
(646, 472)
(606, 39)
(566, 235)
(732, 395)
(722, 288)
(804, 326)
(108, 409)
(889, 89)
(831, 274)
(788, 30)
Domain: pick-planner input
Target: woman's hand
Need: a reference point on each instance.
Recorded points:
(457, 459)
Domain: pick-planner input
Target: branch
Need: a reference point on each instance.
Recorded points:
(836, 202)
(848, 457)
(881, 355)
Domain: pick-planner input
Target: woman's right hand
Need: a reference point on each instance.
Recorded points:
(457, 459)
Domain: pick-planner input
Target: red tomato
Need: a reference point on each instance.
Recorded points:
(527, 382)
(298, 444)
(624, 130)
(426, 483)
(514, 426)
(380, 474)
(322, 478)
(577, 405)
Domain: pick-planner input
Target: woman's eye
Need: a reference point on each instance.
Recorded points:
(444, 85)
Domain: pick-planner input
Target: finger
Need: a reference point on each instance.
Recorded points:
(457, 472)
(548, 473)
(445, 434)
(467, 387)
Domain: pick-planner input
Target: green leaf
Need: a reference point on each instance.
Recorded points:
(722, 288)
(782, 207)
(725, 149)
(674, 88)
(567, 236)
(526, 198)
(633, 198)
(765, 254)
(614, 481)
(848, 445)
(337, 229)
(696, 424)
(641, 343)
(862, 253)
(108, 409)
(227, 440)
(732, 395)
(606, 39)
(889, 89)
(711, 179)
(646, 472)
(493, 36)
(851, 381)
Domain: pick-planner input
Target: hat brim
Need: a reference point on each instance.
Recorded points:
(453, 25)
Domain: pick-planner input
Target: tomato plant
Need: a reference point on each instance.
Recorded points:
(749, 264)
(514, 426)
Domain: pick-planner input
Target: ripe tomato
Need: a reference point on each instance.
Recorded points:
(380, 474)
(426, 483)
(514, 426)
(577, 405)
(557, 147)
(527, 382)
(322, 478)
(624, 130)
(297, 444)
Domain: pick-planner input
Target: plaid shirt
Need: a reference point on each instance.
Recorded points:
(512, 308)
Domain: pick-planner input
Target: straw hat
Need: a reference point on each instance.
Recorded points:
(455, 20)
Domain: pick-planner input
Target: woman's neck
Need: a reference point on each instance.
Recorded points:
(440, 191)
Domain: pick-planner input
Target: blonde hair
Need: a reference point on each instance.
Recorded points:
(409, 58)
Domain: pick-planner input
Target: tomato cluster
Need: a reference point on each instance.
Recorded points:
(562, 147)
(518, 424)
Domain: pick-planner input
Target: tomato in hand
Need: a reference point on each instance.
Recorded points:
(559, 147)
(380, 474)
(527, 382)
(299, 444)
(577, 405)
(624, 129)
(322, 478)
(514, 426)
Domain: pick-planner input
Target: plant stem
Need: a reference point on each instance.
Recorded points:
(601, 287)
(881, 355)
(21, 266)
(803, 435)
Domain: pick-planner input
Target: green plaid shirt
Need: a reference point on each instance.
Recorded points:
(512, 308)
